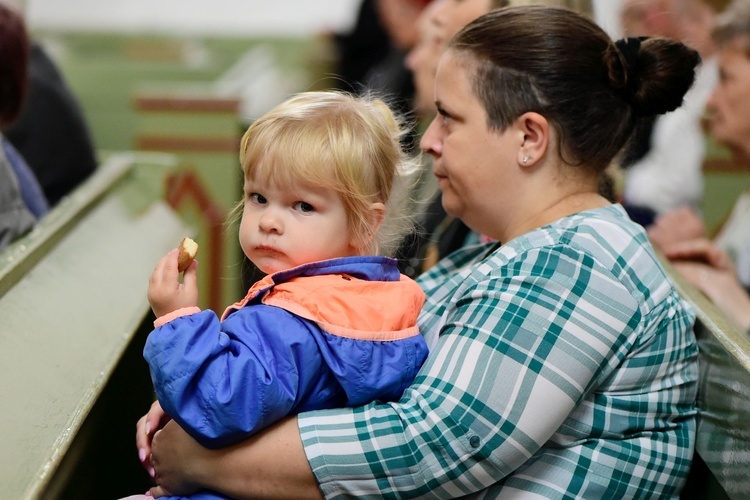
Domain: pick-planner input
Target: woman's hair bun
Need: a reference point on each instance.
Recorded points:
(652, 74)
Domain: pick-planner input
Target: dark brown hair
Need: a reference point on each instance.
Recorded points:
(14, 58)
(562, 65)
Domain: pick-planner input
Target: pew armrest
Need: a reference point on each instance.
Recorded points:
(72, 294)
(723, 431)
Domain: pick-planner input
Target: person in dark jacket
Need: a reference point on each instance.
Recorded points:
(21, 200)
(52, 116)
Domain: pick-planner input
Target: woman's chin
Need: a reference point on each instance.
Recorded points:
(451, 206)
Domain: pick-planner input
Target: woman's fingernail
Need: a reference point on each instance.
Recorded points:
(151, 472)
(148, 428)
(142, 454)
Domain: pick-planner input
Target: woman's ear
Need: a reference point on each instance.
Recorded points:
(536, 135)
(364, 241)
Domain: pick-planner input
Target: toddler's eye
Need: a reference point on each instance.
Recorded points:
(258, 198)
(304, 207)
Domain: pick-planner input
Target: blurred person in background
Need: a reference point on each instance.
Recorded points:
(51, 132)
(21, 197)
(436, 233)
(371, 57)
(721, 268)
(391, 78)
(359, 49)
(662, 166)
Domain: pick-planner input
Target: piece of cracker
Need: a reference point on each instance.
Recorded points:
(188, 250)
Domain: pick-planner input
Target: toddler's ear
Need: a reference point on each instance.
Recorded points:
(375, 219)
(377, 211)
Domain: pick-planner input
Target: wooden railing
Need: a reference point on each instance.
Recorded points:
(74, 316)
(722, 454)
(202, 129)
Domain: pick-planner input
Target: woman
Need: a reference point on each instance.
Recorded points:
(721, 269)
(438, 234)
(562, 362)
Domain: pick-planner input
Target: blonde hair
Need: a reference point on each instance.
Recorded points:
(350, 144)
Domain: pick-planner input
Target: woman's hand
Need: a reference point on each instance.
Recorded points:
(165, 292)
(713, 273)
(706, 266)
(176, 458)
(270, 464)
(145, 429)
(700, 250)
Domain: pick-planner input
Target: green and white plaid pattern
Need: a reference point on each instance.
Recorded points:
(562, 365)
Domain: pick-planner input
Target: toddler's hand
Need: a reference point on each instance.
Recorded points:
(165, 292)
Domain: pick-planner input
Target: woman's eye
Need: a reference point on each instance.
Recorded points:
(445, 118)
(303, 206)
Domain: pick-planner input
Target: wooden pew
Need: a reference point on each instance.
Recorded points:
(202, 130)
(202, 123)
(74, 316)
(722, 455)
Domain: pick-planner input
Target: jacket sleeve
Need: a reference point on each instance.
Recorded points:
(224, 381)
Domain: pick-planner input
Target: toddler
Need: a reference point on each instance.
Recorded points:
(332, 324)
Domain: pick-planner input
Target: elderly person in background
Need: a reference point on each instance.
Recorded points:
(721, 268)
(662, 168)
(436, 234)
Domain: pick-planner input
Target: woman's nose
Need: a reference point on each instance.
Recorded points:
(431, 142)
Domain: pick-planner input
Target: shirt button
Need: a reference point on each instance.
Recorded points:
(474, 441)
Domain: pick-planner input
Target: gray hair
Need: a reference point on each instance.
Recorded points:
(733, 26)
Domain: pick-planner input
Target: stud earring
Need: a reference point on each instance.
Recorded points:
(526, 159)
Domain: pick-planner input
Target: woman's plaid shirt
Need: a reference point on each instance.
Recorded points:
(562, 365)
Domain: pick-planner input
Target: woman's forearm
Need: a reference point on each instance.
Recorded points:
(271, 464)
(729, 295)
(720, 284)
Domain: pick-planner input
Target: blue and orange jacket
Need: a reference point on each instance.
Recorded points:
(340, 332)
